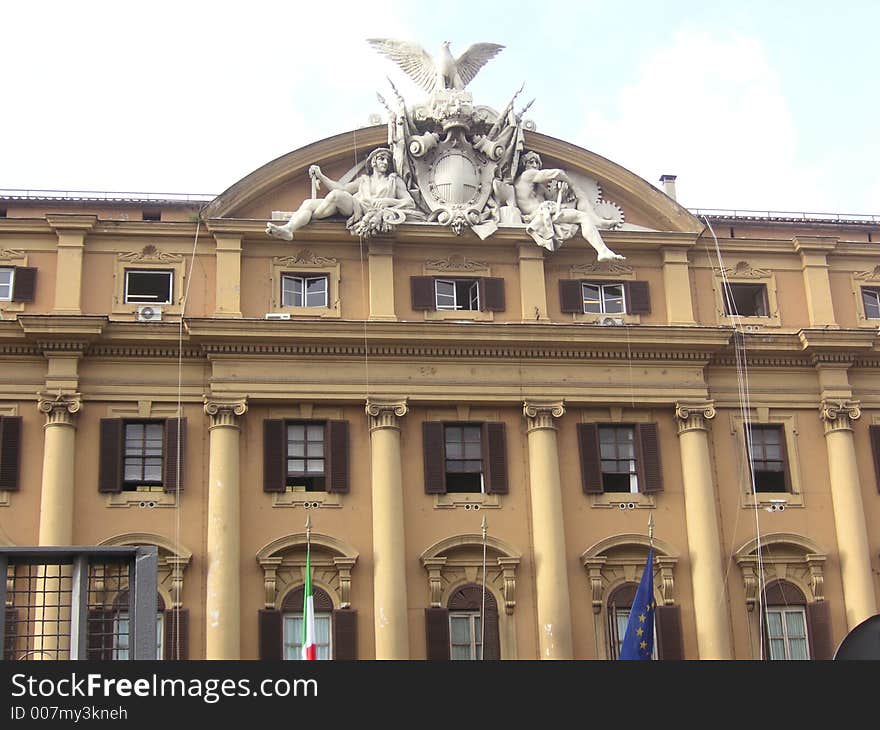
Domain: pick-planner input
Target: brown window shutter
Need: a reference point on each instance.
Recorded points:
(99, 635)
(571, 296)
(9, 638)
(24, 287)
(269, 631)
(820, 630)
(638, 297)
(434, 452)
(492, 293)
(650, 473)
(274, 455)
(10, 451)
(437, 633)
(495, 458)
(874, 432)
(177, 634)
(337, 438)
(344, 634)
(110, 464)
(669, 640)
(422, 292)
(591, 464)
(491, 638)
(172, 477)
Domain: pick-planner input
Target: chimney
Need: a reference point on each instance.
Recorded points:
(668, 185)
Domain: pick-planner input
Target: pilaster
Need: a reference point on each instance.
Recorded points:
(814, 252)
(381, 267)
(677, 286)
(228, 292)
(71, 231)
(533, 291)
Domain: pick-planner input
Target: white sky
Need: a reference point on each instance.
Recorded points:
(753, 107)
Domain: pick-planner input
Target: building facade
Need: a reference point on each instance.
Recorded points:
(174, 375)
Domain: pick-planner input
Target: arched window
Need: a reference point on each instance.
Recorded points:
(785, 622)
(292, 624)
(456, 631)
(619, 608)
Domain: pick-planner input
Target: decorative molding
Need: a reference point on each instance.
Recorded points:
(173, 560)
(837, 414)
(872, 275)
(610, 268)
(225, 410)
(459, 559)
(540, 414)
(743, 270)
(304, 258)
(692, 415)
(59, 408)
(457, 263)
(151, 255)
(11, 254)
(385, 414)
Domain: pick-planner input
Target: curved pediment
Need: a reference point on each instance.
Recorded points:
(283, 183)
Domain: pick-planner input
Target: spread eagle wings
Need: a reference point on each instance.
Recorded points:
(418, 64)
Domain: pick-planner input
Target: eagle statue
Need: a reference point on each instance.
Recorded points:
(446, 72)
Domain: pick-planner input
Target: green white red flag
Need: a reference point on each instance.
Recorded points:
(309, 648)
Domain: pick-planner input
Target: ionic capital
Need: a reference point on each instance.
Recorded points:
(540, 414)
(385, 414)
(692, 415)
(60, 408)
(837, 414)
(225, 410)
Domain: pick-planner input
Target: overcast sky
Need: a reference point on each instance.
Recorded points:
(753, 105)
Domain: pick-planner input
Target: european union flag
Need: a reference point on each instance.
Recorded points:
(638, 641)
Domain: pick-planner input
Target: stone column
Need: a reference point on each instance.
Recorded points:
(704, 539)
(551, 574)
(389, 547)
(837, 414)
(223, 599)
(51, 615)
(56, 495)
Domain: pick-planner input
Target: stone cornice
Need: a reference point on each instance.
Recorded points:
(62, 331)
(68, 222)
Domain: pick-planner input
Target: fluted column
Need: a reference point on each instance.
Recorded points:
(56, 495)
(849, 516)
(223, 599)
(551, 574)
(389, 548)
(704, 540)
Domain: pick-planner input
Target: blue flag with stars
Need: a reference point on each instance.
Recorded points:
(638, 641)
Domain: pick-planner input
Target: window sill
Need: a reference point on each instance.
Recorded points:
(468, 500)
(773, 501)
(749, 323)
(8, 309)
(468, 315)
(297, 497)
(320, 312)
(4, 497)
(593, 318)
(623, 500)
(143, 497)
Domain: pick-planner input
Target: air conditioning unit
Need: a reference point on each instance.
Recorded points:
(149, 313)
(277, 315)
(610, 321)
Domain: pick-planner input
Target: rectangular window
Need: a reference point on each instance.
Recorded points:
(293, 627)
(768, 458)
(142, 459)
(305, 456)
(7, 275)
(121, 636)
(299, 290)
(464, 458)
(619, 620)
(457, 294)
(148, 287)
(603, 298)
(617, 451)
(871, 300)
(787, 632)
(746, 300)
(465, 635)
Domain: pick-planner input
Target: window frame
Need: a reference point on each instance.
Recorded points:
(304, 278)
(634, 474)
(764, 428)
(446, 459)
(294, 646)
(10, 283)
(875, 291)
(786, 640)
(132, 485)
(458, 282)
(729, 299)
(126, 297)
(310, 478)
(745, 273)
(306, 264)
(475, 640)
(766, 417)
(602, 299)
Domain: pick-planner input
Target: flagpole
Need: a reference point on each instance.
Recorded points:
(485, 528)
(651, 530)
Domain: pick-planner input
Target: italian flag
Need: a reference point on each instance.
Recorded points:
(309, 649)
